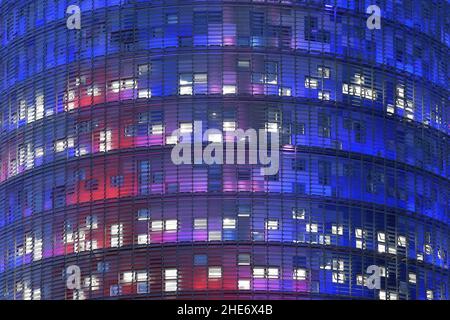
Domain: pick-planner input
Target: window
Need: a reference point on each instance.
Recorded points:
(200, 260)
(381, 238)
(272, 225)
(323, 72)
(144, 69)
(298, 213)
(117, 181)
(229, 126)
(142, 239)
(300, 274)
(143, 214)
(412, 278)
(171, 280)
(117, 235)
(171, 225)
(127, 277)
(243, 259)
(401, 241)
(244, 284)
(285, 92)
(337, 229)
(244, 63)
(430, 295)
(324, 95)
(312, 227)
(268, 273)
(214, 236)
(200, 224)
(311, 83)
(172, 18)
(214, 272)
(229, 89)
(229, 223)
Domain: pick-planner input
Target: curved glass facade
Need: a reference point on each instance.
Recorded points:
(86, 176)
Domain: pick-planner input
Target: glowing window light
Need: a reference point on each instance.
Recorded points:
(157, 225)
(300, 274)
(285, 92)
(171, 225)
(127, 277)
(419, 257)
(186, 90)
(171, 283)
(272, 225)
(244, 63)
(412, 278)
(338, 277)
(92, 222)
(324, 72)
(229, 126)
(361, 280)
(60, 145)
(117, 235)
(272, 127)
(142, 239)
(214, 137)
(171, 140)
(229, 223)
(229, 89)
(144, 69)
(312, 227)
(141, 276)
(401, 241)
(200, 78)
(144, 94)
(157, 129)
(259, 273)
(22, 109)
(39, 107)
(311, 83)
(105, 141)
(273, 273)
(298, 213)
(214, 236)
(337, 229)
(427, 249)
(214, 272)
(430, 295)
(93, 91)
(324, 95)
(186, 127)
(244, 284)
(200, 224)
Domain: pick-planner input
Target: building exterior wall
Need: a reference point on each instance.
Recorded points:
(86, 176)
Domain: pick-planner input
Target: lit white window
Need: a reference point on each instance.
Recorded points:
(338, 277)
(324, 95)
(259, 272)
(229, 223)
(215, 137)
(144, 69)
(298, 213)
(60, 145)
(186, 127)
(200, 224)
(428, 249)
(171, 280)
(92, 222)
(127, 277)
(272, 224)
(171, 225)
(285, 92)
(117, 235)
(311, 83)
(141, 276)
(312, 227)
(157, 129)
(200, 78)
(430, 295)
(93, 91)
(186, 90)
(272, 127)
(214, 272)
(361, 280)
(144, 94)
(324, 72)
(244, 284)
(157, 225)
(401, 241)
(105, 141)
(273, 273)
(214, 235)
(299, 274)
(412, 278)
(229, 126)
(244, 63)
(170, 140)
(419, 257)
(229, 89)
(337, 229)
(142, 239)
(381, 237)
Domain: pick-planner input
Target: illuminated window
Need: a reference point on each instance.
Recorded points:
(186, 127)
(381, 242)
(157, 225)
(229, 126)
(214, 272)
(229, 89)
(412, 278)
(117, 235)
(324, 72)
(105, 141)
(127, 277)
(144, 94)
(92, 222)
(229, 223)
(272, 127)
(215, 137)
(200, 224)
(171, 225)
(259, 272)
(244, 63)
(430, 295)
(214, 236)
(144, 69)
(298, 213)
(312, 227)
(324, 95)
(142, 239)
(285, 92)
(300, 274)
(172, 18)
(272, 225)
(401, 241)
(337, 229)
(273, 273)
(311, 83)
(244, 284)
(171, 280)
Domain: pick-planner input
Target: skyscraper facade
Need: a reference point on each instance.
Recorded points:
(87, 179)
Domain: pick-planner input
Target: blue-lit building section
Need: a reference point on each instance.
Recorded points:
(86, 176)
